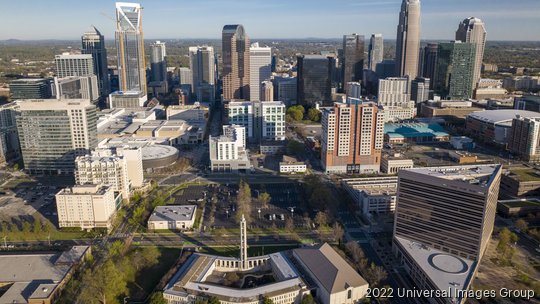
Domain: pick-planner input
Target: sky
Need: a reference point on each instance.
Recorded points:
(177, 19)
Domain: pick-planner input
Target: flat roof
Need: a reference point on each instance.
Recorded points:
(416, 129)
(468, 174)
(502, 116)
(373, 185)
(173, 213)
(446, 271)
(524, 174)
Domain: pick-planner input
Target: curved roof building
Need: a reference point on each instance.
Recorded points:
(495, 125)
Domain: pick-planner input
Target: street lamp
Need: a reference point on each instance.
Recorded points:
(259, 211)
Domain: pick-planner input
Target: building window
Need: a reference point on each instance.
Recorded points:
(349, 294)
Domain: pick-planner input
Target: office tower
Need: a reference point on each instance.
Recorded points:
(408, 39)
(87, 207)
(262, 120)
(386, 68)
(130, 48)
(158, 68)
(430, 62)
(354, 90)
(393, 91)
(315, 79)
(68, 65)
(420, 89)
(454, 72)
(107, 170)
(77, 87)
(376, 51)
(353, 58)
(473, 30)
(53, 133)
(201, 62)
(285, 89)
(260, 60)
(267, 91)
(524, 139)
(9, 138)
(352, 137)
(93, 43)
(236, 66)
(37, 88)
(444, 219)
(186, 79)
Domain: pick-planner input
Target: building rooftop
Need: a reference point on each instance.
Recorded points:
(524, 174)
(446, 271)
(411, 130)
(329, 268)
(173, 213)
(373, 185)
(501, 117)
(481, 175)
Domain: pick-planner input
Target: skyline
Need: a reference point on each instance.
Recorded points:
(169, 19)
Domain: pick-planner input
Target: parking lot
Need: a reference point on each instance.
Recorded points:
(286, 201)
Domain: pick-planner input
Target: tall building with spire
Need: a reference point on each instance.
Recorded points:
(408, 39)
(93, 43)
(130, 47)
(235, 48)
(473, 30)
(376, 51)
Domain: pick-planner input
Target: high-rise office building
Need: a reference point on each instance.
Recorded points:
(393, 91)
(260, 60)
(158, 67)
(376, 51)
(408, 39)
(9, 138)
(261, 120)
(429, 61)
(52, 133)
(473, 30)
(267, 91)
(353, 59)
(68, 65)
(386, 68)
(236, 62)
(454, 72)
(31, 88)
(420, 89)
(203, 69)
(130, 48)
(524, 139)
(77, 87)
(352, 137)
(93, 43)
(444, 219)
(316, 74)
(285, 89)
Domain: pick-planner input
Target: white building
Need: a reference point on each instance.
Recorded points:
(291, 165)
(87, 206)
(241, 113)
(236, 133)
(106, 170)
(354, 90)
(227, 156)
(130, 99)
(172, 217)
(397, 113)
(390, 165)
(77, 87)
(262, 120)
(260, 60)
(374, 195)
(394, 91)
(68, 65)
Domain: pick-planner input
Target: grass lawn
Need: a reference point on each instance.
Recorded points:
(526, 175)
(15, 182)
(43, 236)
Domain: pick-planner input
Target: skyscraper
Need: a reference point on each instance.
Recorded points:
(352, 137)
(203, 69)
(260, 69)
(473, 30)
(130, 48)
(394, 91)
(68, 65)
(235, 48)
(158, 63)
(53, 133)
(376, 51)
(408, 39)
(267, 91)
(315, 79)
(420, 89)
(524, 139)
(30, 88)
(430, 62)
(454, 71)
(93, 43)
(353, 59)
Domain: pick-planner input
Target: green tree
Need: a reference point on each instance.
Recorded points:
(213, 300)
(522, 225)
(243, 200)
(267, 300)
(314, 115)
(376, 274)
(296, 112)
(308, 299)
(104, 285)
(294, 147)
(36, 227)
(157, 298)
(321, 219)
(264, 199)
(116, 249)
(26, 227)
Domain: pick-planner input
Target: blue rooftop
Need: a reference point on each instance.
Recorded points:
(411, 130)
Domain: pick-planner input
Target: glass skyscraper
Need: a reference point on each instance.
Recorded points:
(93, 43)
(315, 79)
(353, 59)
(454, 70)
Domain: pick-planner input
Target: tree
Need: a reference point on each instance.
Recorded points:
(104, 284)
(157, 298)
(522, 225)
(337, 232)
(267, 300)
(321, 219)
(308, 299)
(264, 199)
(355, 251)
(296, 112)
(314, 115)
(289, 224)
(116, 249)
(26, 227)
(294, 147)
(36, 227)
(213, 300)
(377, 274)
(243, 202)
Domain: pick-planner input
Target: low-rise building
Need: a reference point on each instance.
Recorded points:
(462, 142)
(457, 109)
(272, 147)
(227, 155)
(520, 182)
(87, 206)
(396, 133)
(461, 157)
(374, 195)
(291, 165)
(518, 207)
(172, 217)
(391, 165)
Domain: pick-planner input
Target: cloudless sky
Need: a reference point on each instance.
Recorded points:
(177, 19)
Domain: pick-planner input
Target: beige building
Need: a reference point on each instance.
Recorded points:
(408, 39)
(267, 91)
(391, 165)
(291, 165)
(524, 139)
(105, 170)
(236, 63)
(87, 206)
(373, 195)
(172, 217)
